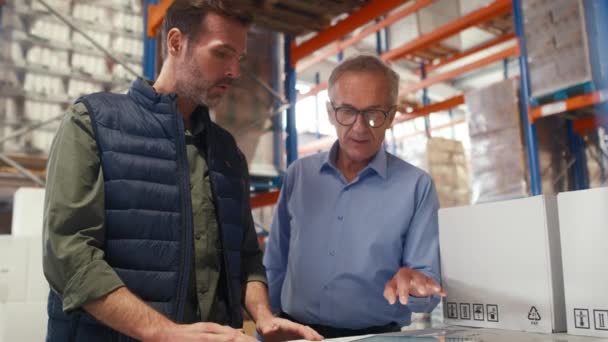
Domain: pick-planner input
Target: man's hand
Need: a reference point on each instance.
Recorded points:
(210, 332)
(275, 329)
(408, 282)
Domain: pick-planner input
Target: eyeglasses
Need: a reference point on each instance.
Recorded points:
(347, 116)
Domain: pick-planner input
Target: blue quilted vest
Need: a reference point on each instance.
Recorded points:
(148, 210)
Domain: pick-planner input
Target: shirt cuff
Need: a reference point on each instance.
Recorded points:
(91, 282)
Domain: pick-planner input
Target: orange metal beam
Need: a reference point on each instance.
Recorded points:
(432, 108)
(264, 199)
(356, 19)
(510, 52)
(474, 18)
(156, 13)
(341, 45)
(313, 91)
(572, 103)
(488, 45)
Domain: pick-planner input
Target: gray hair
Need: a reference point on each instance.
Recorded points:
(370, 64)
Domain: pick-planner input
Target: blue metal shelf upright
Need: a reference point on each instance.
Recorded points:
(529, 127)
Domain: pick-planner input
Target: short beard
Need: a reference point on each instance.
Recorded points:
(192, 85)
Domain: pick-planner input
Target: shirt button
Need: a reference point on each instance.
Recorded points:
(332, 253)
(340, 218)
(197, 236)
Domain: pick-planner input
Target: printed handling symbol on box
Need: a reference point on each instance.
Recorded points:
(452, 311)
(478, 312)
(492, 312)
(465, 311)
(581, 319)
(534, 315)
(601, 319)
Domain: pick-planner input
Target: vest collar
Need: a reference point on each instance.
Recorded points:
(144, 94)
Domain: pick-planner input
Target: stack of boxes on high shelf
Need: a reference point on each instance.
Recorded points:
(23, 288)
(45, 65)
(566, 48)
(534, 263)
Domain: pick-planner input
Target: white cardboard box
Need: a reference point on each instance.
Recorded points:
(501, 265)
(583, 219)
(2, 320)
(21, 275)
(28, 210)
(462, 334)
(23, 321)
(37, 285)
(13, 268)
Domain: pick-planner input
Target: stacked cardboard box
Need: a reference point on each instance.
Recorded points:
(558, 44)
(490, 282)
(498, 166)
(447, 164)
(583, 220)
(44, 61)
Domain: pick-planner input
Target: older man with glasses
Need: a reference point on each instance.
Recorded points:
(353, 247)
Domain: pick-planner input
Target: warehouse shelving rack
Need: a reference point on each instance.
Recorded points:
(333, 36)
(529, 113)
(18, 31)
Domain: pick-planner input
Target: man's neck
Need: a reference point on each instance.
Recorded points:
(349, 168)
(166, 85)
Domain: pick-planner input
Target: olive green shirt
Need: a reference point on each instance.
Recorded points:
(74, 229)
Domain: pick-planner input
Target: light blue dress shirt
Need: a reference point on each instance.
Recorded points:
(334, 245)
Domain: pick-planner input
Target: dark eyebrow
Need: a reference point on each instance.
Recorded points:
(232, 49)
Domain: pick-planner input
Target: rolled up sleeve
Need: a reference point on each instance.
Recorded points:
(74, 232)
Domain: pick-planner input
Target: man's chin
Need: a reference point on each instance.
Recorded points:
(213, 100)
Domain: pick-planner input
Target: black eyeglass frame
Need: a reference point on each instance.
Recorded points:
(363, 112)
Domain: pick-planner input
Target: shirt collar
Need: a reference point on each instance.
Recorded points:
(378, 163)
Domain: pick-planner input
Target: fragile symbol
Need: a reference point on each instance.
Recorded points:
(533, 315)
(465, 311)
(581, 318)
(452, 311)
(601, 319)
(492, 312)
(478, 314)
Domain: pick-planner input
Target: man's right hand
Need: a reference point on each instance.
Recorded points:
(409, 282)
(200, 332)
(123, 311)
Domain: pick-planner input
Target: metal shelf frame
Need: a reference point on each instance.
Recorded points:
(333, 36)
(477, 17)
(528, 113)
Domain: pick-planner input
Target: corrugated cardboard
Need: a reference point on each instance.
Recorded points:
(501, 265)
(583, 219)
